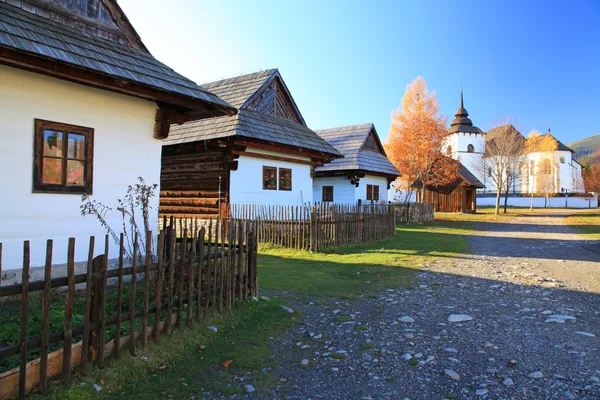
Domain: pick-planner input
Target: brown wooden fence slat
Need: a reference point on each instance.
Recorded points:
(191, 278)
(200, 270)
(86, 307)
(240, 260)
(132, 295)
(208, 274)
(103, 288)
(180, 280)
(148, 261)
(68, 342)
(24, 312)
(159, 282)
(221, 266)
(45, 319)
(216, 250)
(119, 305)
(172, 246)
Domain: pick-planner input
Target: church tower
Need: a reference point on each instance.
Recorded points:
(466, 142)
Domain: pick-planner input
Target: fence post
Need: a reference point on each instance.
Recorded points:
(96, 301)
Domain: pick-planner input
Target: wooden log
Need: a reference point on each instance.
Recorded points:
(86, 307)
(119, 304)
(45, 319)
(159, 281)
(68, 341)
(103, 287)
(24, 318)
(132, 296)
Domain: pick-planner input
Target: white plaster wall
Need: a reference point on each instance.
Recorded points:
(123, 150)
(460, 142)
(361, 190)
(538, 202)
(343, 189)
(246, 183)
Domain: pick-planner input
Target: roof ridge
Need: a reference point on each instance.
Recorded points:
(259, 74)
(53, 28)
(347, 126)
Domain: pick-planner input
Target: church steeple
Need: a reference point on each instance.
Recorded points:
(462, 123)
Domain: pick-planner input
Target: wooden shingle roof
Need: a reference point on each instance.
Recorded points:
(349, 140)
(61, 47)
(249, 123)
(253, 125)
(468, 177)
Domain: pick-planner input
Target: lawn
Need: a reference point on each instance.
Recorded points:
(191, 360)
(587, 223)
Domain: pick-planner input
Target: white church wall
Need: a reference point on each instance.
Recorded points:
(539, 202)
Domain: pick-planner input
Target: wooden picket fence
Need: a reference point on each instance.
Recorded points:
(317, 227)
(198, 272)
(414, 213)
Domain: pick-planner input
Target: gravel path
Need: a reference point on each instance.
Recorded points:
(526, 302)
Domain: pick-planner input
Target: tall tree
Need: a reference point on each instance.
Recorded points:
(416, 136)
(503, 159)
(591, 172)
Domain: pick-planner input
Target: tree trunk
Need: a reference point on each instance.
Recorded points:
(497, 212)
(506, 197)
(531, 207)
(423, 194)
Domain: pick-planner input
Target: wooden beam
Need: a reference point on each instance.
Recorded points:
(271, 157)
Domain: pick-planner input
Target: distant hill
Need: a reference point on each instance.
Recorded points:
(585, 146)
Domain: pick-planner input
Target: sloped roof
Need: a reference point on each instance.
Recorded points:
(535, 142)
(41, 37)
(253, 125)
(469, 177)
(507, 129)
(349, 140)
(237, 90)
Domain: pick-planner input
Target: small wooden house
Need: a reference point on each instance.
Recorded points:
(264, 155)
(83, 106)
(458, 196)
(365, 173)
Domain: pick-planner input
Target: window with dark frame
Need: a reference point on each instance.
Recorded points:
(327, 194)
(269, 178)
(373, 192)
(63, 158)
(285, 179)
(470, 149)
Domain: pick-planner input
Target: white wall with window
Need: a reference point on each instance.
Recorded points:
(44, 204)
(377, 184)
(266, 181)
(343, 189)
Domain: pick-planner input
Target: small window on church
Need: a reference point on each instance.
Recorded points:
(562, 160)
(489, 172)
(470, 149)
(449, 150)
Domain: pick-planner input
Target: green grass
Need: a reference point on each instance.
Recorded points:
(177, 368)
(349, 271)
(587, 223)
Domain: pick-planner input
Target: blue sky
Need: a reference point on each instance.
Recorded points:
(348, 62)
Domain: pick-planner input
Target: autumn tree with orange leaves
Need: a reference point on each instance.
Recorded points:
(591, 172)
(417, 134)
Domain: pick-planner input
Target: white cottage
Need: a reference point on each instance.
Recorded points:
(365, 172)
(265, 155)
(83, 109)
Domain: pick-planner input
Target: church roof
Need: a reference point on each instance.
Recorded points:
(350, 140)
(536, 141)
(461, 122)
